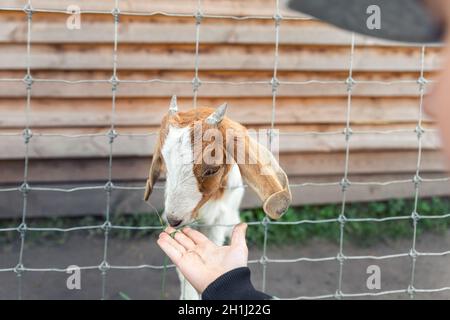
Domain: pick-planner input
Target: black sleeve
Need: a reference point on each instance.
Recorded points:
(233, 285)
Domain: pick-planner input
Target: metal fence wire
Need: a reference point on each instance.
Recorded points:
(415, 217)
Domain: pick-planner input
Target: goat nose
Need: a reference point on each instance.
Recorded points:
(174, 222)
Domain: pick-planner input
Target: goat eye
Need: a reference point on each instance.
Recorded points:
(210, 171)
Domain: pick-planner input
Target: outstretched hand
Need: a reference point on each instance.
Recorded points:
(199, 259)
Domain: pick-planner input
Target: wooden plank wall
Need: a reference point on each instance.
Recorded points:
(163, 47)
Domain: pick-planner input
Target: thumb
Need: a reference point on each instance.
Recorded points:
(238, 236)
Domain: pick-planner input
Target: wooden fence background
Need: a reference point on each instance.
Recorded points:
(163, 47)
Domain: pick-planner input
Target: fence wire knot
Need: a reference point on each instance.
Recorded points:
(417, 180)
(263, 260)
(348, 132)
(112, 135)
(341, 257)
(413, 254)
(342, 219)
(106, 226)
(28, 9)
(265, 221)
(104, 266)
(275, 84)
(114, 82)
(22, 228)
(277, 18)
(116, 13)
(422, 81)
(345, 184)
(24, 188)
(19, 268)
(196, 83)
(415, 216)
(350, 82)
(109, 186)
(27, 134)
(198, 17)
(338, 295)
(420, 131)
(411, 290)
(28, 80)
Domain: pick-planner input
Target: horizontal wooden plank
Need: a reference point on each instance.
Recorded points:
(303, 164)
(46, 203)
(55, 31)
(217, 57)
(46, 30)
(148, 112)
(126, 145)
(103, 90)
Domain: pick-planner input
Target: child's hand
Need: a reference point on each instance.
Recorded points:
(199, 259)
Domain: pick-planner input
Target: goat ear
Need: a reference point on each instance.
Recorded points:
(264, 175)
(155, 170)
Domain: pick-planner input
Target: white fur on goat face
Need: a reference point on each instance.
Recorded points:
(181, 193)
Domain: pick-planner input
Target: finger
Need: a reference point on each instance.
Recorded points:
(195, 236)
(181, 238)
(171, 231)
(172, 242)
(238, 235)
(170, 250)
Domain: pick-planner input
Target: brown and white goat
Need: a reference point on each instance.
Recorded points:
(206, 157)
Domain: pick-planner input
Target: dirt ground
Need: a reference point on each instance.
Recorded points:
(283, 279)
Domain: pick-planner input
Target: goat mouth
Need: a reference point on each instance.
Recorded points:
(176, 223)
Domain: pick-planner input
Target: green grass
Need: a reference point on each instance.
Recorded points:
(363, 233)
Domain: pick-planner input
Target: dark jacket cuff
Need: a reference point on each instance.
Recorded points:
(233, 285)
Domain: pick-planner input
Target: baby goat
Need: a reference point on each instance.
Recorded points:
(206, 155)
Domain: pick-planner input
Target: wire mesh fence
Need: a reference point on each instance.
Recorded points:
(274, 83)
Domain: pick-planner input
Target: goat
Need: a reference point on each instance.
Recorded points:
(204, 176)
